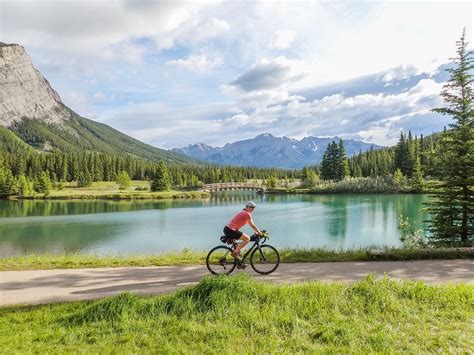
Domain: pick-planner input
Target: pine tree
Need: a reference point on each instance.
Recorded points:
(453, 206)
(162, 180)
(343, 165)
(329, 164)
(72, 168)
(43, 184)
(84, 179)
(402, 155)
(25, 186)
(7, 182)
(417, 180)
(411, 151)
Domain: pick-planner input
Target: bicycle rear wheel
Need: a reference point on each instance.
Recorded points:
(220, 261)
(265, 259)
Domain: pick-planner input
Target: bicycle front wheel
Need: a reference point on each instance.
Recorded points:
(220, 261)
(265, 259)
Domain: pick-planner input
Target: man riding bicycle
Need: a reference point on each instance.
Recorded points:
(231, 230)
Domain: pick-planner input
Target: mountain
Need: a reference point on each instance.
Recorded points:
(266, 150)
(32, 116)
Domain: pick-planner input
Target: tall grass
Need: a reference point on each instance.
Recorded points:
(239, 314)
(188, 257)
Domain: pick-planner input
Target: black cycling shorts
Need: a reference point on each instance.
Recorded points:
(230, 233)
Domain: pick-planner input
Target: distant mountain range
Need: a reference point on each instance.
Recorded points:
(266, 150)
(33, 117)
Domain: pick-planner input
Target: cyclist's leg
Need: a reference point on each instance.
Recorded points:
(245, 240)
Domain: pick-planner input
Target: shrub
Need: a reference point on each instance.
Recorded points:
(411, 236)
(357, 185)
(123, 180)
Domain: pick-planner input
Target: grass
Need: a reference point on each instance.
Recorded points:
(110, 190)
(239, 314)
(188, 257)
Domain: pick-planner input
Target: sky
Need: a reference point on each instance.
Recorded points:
(173, 73)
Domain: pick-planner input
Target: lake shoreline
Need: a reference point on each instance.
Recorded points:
(195, 194)
(188, 257)
(323, 192)
(166, 195)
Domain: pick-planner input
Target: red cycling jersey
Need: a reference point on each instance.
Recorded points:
(239, 220)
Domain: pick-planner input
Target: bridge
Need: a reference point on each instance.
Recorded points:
(229, 186)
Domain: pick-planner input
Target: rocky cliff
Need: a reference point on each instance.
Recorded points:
(32, 116)
(24, 92)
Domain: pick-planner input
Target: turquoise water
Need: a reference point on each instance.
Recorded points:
(128, 227)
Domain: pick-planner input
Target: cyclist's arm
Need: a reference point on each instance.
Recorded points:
(254, 227)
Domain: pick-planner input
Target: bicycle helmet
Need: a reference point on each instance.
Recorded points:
(251, 204)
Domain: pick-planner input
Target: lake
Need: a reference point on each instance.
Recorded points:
(144, 227)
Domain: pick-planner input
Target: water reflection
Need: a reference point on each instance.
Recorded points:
(337, 216)
(125, 227)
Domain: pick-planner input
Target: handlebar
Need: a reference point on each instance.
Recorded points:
(263, 235)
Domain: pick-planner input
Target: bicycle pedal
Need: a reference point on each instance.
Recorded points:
(241, 266)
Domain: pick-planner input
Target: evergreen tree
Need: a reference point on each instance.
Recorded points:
(452, 209)
(25, 186)
(417, 180)
(334, 165)
(19, 166)
(343, 165)
(412, 151)
(63, 169)
(84, 179)
(73, 168)
(43, 184)
(402, 155)
(7, 182)
(162, 180)
(329, 164)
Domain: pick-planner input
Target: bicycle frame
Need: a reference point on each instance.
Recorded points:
(256, 244)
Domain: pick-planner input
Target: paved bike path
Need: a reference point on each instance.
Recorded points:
(48, 286)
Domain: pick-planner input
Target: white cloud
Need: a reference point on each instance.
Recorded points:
(283, 39)
(372, 117)
(376, 118)
(400, 73)
(82, 103)
(100, 28)
(199, 63)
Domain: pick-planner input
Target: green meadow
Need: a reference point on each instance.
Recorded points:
(239, 314)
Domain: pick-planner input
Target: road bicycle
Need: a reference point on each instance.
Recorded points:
(264, 258)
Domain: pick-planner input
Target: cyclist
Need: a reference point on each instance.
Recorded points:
(231, 230)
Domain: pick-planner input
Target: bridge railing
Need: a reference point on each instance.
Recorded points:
(235, 185)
